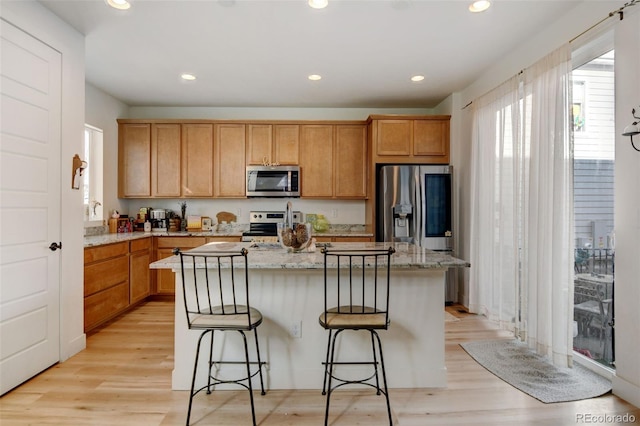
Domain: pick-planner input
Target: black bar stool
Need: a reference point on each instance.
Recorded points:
(356, 297)
(215, 286)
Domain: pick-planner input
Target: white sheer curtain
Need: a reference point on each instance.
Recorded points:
(522, 207)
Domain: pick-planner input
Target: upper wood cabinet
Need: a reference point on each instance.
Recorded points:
(208, 158)
(350, 161)
(431, 138)
(333, 161)
(165, 160)
(273, 143)
(134, 160)
(197, 160)
(421, 139)
(229, 159)
(316, 160)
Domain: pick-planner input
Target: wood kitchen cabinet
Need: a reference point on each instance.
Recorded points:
(224, 239)
(165, 281)
(333, 161)
(329, 239)
(350, 169)
(410, 139)
(197, 160)
(139, 273)
(106, 283)
(165, 160)
(229, 159)
(316, 160)
(134, 160)
(273, 144)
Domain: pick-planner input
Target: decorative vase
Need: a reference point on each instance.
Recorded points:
(321, 224)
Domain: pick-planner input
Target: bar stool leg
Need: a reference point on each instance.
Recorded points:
(375, 362)
(326, 364)
(255, 330)
(210, 364)
(384, 377)
(330, 374)
(195, 369)
(246, 358)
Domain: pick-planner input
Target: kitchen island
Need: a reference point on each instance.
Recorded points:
(288, 289)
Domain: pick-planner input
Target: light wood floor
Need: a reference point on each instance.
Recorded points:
(124, 378)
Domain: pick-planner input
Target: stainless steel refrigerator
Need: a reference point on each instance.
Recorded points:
(414, 205)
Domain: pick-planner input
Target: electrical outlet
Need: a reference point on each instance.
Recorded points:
(295, 329)
(334, 213)
(238, 213)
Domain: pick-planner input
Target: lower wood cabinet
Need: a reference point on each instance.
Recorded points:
(165, 281)
(116, 276)
(139, 273)
(329, 239)
(106, 283)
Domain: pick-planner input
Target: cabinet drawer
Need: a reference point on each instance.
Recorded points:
(352, 239)
(142, 244)
(102, 275)
(183, 242)
(224, 239)
(105, 305)
(93, 254)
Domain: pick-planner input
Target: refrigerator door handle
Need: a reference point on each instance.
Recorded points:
(419, 207)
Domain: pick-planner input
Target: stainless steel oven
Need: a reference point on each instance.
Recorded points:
(263, 225)
(273, 181)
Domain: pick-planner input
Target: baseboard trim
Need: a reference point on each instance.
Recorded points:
(625, 390)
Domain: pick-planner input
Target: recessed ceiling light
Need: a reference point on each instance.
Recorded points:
(188, 77)
(417, 78)
(314, 77)
(480, 6)
(318, 4)
(119, 4)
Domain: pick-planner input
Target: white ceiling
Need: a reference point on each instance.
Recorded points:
(259, 53)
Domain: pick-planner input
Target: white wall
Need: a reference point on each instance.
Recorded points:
(101, 111)
(267, 113)
(627, 381)
(34, 19)
(346, 211)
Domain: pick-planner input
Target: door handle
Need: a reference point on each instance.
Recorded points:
(55, 246)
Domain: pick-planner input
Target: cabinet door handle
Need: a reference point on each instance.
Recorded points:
(55, 246)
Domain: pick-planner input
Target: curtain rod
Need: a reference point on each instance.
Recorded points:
(619, 11)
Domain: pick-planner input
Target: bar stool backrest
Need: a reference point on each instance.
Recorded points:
(357, 283)
(216, 285)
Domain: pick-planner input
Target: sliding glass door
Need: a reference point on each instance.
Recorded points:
(594, 157)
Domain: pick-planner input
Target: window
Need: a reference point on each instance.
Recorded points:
(578, 106)
(92, 177)
(593, 177)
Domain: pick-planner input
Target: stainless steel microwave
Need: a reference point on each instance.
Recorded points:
(273, 181)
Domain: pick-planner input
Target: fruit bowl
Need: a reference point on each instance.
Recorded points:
(296, 238)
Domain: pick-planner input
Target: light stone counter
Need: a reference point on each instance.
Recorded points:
(288, 289)
(98, 240)
(273, 256)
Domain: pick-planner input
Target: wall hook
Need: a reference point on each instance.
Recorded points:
(77, 167)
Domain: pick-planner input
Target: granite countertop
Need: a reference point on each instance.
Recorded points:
(98, 240)
(272, 256)
(102, 239)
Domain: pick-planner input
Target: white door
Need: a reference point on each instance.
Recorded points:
(29, 206)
